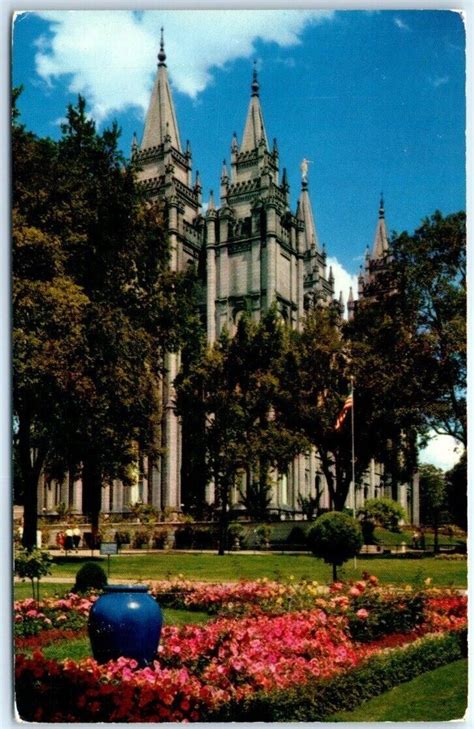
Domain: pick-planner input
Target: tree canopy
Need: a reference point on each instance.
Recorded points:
(95, 308)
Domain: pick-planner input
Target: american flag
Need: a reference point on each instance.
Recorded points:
(345, 409)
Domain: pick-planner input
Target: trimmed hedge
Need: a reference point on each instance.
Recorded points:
(91, 576)
(318, 700)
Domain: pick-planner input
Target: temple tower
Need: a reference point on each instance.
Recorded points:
(166, 175)
(258, 251)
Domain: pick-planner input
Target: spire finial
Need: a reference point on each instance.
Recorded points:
(255, 84)
(162, 54)
(381, 208)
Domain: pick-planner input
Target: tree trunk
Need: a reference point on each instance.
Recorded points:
(92, 493)
(31, 465)
(223, 519)
(337, 489)
(436, 538)
(263, 489)
(334, 572)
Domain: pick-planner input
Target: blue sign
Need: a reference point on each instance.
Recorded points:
(109, 548)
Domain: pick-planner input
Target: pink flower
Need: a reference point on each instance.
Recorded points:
(354, 592)
(362, 613)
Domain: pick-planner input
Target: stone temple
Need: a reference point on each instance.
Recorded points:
(253, 251)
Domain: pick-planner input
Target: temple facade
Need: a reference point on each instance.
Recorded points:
(253, 252)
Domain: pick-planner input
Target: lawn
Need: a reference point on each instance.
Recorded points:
(439, 695)
(47, 589)
(211, 567)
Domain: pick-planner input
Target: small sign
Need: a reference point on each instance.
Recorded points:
(109, 548)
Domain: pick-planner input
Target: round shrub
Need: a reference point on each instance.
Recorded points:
(90, 576)
(385, 513)
(335, 537)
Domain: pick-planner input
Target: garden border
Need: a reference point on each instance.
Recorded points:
(318, 700)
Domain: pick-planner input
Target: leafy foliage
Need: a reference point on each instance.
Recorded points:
(233, 386)
(433, 505)
(33, 564)
(408, 340)
(90, 576)
(385, 513)
(95, 309)
(335, 537)
(456, 491)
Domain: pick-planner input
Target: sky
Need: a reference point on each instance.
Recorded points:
(374, 99)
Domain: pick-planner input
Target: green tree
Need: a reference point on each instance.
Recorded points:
(315, 380)
(33, 564)
(456, 490)
(49, 309)
(430, 268)
(232, 389)
(335, 537)
(139, 310)
(93, 293)
(408, 341)
(385, 513)
(432, 498)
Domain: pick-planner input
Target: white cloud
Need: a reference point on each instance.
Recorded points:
(343, 280)
(110, 56)
(442, 451)
(401, 24)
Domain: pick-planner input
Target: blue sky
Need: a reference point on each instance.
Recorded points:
(375, 99)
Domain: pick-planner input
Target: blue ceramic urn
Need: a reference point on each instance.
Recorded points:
(125, 621)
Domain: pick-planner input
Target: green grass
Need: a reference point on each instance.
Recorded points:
(439, 695)
(394, 539)
(22, 590)
(211, 567)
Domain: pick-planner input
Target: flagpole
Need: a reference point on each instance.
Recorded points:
(353, 451)
(353, 460)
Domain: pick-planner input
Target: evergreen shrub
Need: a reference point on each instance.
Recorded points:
(90, 576)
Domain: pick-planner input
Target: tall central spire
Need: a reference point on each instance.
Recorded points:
(161, 118)
(380, 247)
(254, 129)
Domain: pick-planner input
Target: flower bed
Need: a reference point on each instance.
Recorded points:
(70, 613)
(202, 669)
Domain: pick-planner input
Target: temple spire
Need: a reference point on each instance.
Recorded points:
(255, 84)
(254, 130)
(380, 247)
(162, 54)
(305, 213)
(381, 208)
(161, 118)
